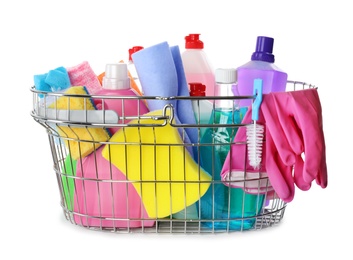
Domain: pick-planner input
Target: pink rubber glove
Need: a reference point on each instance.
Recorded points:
(294, 121)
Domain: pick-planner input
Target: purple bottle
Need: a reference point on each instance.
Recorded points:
(261, 66)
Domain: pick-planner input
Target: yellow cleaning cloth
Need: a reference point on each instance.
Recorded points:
(158, 165)
(86, 139)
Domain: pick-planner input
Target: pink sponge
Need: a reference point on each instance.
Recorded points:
(83, 75)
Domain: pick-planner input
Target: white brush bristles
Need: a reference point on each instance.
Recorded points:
(254, 139)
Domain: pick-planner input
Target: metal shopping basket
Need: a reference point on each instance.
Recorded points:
(146, 177)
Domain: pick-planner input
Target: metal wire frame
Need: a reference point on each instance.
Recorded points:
(270, 213)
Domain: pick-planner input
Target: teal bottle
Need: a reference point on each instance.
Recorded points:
(224, 207)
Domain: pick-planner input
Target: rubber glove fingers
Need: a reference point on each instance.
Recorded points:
(298, 175)
(308, 115)
(280, 175)
(322, 178)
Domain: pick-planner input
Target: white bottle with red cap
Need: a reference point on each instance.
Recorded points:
(196, 64)
(202, 108)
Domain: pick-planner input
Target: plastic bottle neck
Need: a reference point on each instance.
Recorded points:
(116, 77)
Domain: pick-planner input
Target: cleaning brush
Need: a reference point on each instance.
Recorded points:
(255, 131)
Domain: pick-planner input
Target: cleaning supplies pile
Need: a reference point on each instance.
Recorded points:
(150, 164)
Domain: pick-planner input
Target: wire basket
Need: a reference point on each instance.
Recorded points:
(146, 177)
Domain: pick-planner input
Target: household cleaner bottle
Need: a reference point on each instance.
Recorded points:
(202, 107)
(196, 64)
(116, 83)
(261, 66)
(222, 203)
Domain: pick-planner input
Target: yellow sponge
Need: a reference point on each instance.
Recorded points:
(161, 169)
(80, 141)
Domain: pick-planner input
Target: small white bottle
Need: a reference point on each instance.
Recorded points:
(202, 108)
(196, 64)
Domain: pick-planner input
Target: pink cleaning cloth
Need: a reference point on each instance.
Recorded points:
(294, 130)
(103, 192)
(237, 172)
(83, 75)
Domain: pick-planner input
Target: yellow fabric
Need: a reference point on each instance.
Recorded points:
(171, 179)
(85, 139)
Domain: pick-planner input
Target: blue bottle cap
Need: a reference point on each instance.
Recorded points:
(264, 48)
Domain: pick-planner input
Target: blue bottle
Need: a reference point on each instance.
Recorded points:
(224, 207)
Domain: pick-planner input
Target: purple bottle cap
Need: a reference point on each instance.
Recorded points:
(264, 48)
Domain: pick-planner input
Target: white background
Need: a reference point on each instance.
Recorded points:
(313, 43)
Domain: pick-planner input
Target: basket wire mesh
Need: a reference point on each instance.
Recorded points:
(101, 200)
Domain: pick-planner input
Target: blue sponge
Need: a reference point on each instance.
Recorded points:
(58, 79)
(39, 83)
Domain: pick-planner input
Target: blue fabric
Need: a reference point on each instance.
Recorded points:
(58, 79)
(156, 71)
(161, 74)
(183, 107)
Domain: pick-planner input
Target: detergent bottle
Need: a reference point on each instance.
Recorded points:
(262, 65)
(222, 202)
(196, 64)
(202, 107)
(116, 86)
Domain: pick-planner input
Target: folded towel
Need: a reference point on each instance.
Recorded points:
(153, 158)
(83, 75)
(58, 79)
(82, 140)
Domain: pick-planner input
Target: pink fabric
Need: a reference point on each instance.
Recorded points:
(237, 172)
(293, 128)
(83, 75)
(99, 200)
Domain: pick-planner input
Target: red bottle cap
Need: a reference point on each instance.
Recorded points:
(197, 89)
(133, 50)
(193, 42)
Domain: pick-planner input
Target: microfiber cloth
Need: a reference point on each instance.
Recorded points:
(58, 79)
(102, 192)
(159, 78)
(233, 174)
(153, 158)
(80, 141)
(156, 71)
(83, 75)
(183, 107)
